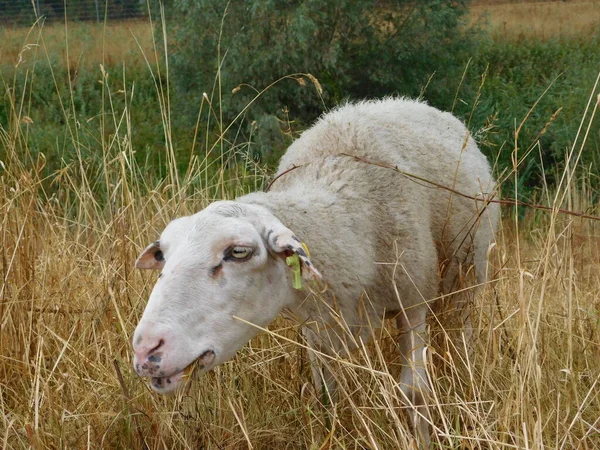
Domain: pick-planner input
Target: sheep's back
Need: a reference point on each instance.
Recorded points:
(415, 138)
(407, 134)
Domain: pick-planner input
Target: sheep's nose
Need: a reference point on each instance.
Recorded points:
(147, 354)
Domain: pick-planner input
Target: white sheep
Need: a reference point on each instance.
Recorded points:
(373, 233)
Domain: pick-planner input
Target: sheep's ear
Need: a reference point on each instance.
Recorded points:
(282, 241)
(151, 258)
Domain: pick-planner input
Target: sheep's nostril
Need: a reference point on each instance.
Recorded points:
(146, 352)
(159, 345)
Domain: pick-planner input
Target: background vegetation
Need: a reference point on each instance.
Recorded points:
(436, 50)
(355, 50)
(106, 135)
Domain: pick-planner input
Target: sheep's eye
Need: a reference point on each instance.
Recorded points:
(158, 255)
(238, 253)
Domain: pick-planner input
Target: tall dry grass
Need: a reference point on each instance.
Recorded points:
(90, 43)
(538, 19)
(70, 300)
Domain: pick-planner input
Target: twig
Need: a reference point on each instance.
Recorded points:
(282, 174)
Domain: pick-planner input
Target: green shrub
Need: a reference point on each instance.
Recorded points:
(74, 112)
(83, 113)
(518, 74)
(355, 50)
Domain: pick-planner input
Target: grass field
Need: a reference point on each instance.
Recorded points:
(70, 298)
(542, 19)
(83, 45)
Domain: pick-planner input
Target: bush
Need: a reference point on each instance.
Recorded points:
(355, 49)
(375, 48)
(518, 74)
(73, 113)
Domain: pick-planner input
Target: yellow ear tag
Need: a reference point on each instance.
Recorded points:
(294, 262)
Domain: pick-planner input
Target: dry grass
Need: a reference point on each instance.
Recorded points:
(82, 44)
(510, 20)
(70, 300)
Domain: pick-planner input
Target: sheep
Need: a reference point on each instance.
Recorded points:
(351, 193)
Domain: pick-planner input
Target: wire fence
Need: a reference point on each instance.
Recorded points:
(19, 13)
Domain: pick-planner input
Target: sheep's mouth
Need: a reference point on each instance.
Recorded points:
(169, 384)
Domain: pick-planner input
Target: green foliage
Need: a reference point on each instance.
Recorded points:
(355, 50)
(73, 111)
(517, 76)
(232, 50)
(82, 113)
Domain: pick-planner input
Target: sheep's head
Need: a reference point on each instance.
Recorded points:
(223, 270)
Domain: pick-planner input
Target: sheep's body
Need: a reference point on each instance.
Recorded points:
(372, 230)
(383, 242)
(353, 214)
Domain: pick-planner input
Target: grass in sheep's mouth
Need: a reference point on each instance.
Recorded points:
(204, 360)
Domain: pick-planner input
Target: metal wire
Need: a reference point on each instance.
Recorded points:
(26, 13)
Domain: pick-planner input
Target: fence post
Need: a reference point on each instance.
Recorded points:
(97, 12)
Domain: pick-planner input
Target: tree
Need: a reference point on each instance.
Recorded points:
(356, 49)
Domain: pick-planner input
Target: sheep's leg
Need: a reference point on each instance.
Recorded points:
(463, 303)
(413, 377)
(459, 283)
(467, 272)
(323, 379)
(476, 278)
(468, 298)
(466, 308)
